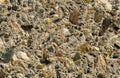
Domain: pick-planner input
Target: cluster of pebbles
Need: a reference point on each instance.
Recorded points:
(59, 38)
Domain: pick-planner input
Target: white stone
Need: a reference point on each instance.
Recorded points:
(23, 56)
(103, 1)
(9, 76)
(14, 58)
(95, 48)
(108, 6)
(66, 32)
(56, 15)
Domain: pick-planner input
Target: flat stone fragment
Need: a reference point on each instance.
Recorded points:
(23, 56)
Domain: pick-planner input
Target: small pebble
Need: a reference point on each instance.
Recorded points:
(1, 45)
(9, 8)
(14, 58)
(76, 57)
(11, 1)
(79, 76)
(116, 28)
(39, 66)
(105, 25)
(23, 55)
(7, 54)
(27, 27)
(51, 49)
(45, 61)
(108, 6)
(41, 10)
(47, 20)
(74, 17)
(118, 21)
(78, 1)
(98, 16)
(101, 75)
(52, 13)
(66, 32)
(2, 1)
(117, 45)
(2, 74)
(118, 61)
(115, 55)
(58, 74)
(30, 65)
(19, 75)
(28, 75)
(19, 2)
(1, 20)
(14, 7)
(102, 60)
(103, 1)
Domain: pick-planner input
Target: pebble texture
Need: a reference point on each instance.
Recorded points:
(59, 38)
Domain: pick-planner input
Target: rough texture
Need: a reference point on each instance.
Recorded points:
(59, 38)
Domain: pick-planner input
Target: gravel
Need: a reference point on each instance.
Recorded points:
(59, 39)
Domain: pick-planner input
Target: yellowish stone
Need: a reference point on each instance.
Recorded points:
(55, 45)
(84, 48)
(1, 45)
(102, 61)
(107, 57)
(118, 32)
(2, 1)
(89, 1)
(47, 20)
(39, 66)
(86, 31)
